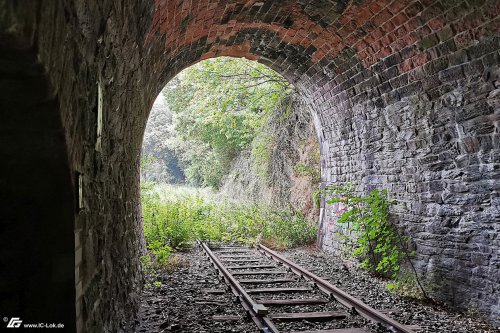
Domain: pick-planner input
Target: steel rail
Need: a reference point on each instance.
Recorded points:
(340, 295)
(255, 310)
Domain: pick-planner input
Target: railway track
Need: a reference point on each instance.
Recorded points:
(277, 293)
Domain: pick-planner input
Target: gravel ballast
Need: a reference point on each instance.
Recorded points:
(189, 296)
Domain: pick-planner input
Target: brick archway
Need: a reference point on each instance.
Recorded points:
(404, 93)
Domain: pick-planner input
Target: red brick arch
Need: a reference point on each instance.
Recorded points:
(335, 54)
(373, 29)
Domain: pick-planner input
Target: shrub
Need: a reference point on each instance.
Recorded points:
(175, 223)
(372, 238)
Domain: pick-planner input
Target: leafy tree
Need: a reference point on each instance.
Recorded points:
(159, 162)
(219, 106)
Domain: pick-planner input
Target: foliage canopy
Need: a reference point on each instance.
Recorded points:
(219, 106)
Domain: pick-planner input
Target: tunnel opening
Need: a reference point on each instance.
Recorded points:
(240, 133)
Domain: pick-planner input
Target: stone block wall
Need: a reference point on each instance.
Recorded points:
(405, 97)
(87, 46)
(78, 47)
(404, 94)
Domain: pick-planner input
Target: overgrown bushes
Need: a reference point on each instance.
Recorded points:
(174, 223)
(365, 228)
(367, 233)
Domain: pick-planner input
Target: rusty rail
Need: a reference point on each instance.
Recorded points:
(257, 311)
(340, 295)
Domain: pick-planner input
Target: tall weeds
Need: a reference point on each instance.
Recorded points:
(173, 223)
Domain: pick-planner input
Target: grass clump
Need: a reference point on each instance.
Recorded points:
(307, 170)
(173, 223)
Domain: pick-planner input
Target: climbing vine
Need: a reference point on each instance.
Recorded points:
(366, 230)
(367, 233)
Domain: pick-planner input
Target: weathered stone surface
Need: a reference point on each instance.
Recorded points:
(294, 141)
(404, 95)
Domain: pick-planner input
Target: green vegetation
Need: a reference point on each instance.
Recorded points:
(304, 169)
(220, 107)
(214, 111)
(177, 220)
(262, 153)
(368, 234)
(317, 198)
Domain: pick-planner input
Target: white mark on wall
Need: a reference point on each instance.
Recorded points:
(80, 192)
(99, 116)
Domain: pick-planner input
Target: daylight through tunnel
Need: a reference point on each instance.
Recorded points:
(404, 96)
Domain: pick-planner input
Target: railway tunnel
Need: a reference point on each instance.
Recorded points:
(404, 95)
